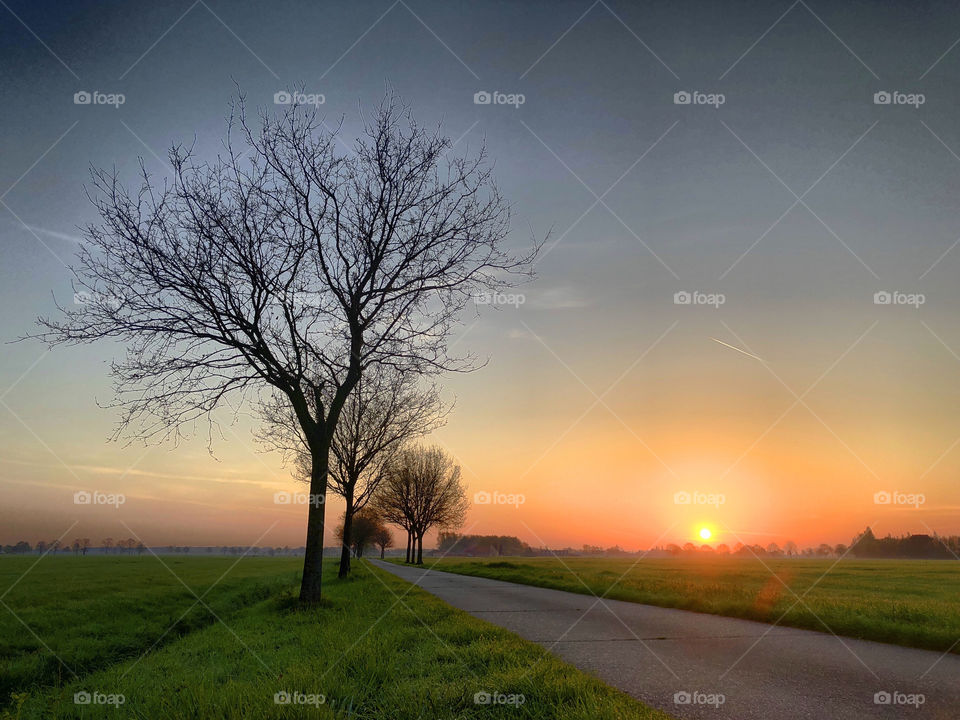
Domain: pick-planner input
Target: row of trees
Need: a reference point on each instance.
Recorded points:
(867, 545)
(451, 543)
(79, 546)
(291, 277)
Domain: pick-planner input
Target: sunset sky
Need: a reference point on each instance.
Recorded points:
(797, 399)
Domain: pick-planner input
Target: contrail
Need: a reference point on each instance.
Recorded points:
(732, 347)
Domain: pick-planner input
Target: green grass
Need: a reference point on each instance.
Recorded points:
(911, 603)
(368, 654)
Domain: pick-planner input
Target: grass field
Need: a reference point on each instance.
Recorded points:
(127, 626)
(912, 603)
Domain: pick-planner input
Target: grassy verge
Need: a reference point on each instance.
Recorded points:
(912, 603)
(361, 654)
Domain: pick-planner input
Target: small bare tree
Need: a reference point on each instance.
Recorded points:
(386, 409)
(423, 490)
(366, 527)
(383, 539)
(280, 272)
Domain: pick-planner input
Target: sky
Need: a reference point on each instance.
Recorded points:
(744, 316)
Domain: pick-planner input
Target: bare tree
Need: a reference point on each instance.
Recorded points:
(366, 526)
(422, 491)
(107, 544)
(383, 539)
(278, 274)
(386, 409)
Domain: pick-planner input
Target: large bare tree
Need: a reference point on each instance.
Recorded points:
(282, 270)
(422, 490)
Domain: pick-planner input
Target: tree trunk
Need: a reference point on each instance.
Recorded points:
(382, 550)
(313, 553)
(420, 549)
(345, 545)
(409, 541)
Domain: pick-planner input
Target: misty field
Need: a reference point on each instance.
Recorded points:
(911, 603)
(102, 628)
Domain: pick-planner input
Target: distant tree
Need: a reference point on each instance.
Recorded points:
(383, 539)
(773, 549)
(689, 548)
(723, 549)
(422, 490)
(84, 545)
(42, 547)
(386, 409)
(107, 544)
(76, 546)
(790, 548)
(673, 549)
(824, 550)
(366, 525)
(840, 550)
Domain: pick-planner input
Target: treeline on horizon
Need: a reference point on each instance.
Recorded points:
(864, 545)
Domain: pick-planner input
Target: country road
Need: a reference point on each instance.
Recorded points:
(683, 662)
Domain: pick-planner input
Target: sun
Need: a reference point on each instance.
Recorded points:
(705, 533)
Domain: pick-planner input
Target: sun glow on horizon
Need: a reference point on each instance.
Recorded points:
(705, 533)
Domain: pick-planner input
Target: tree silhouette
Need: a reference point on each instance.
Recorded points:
(278, 274)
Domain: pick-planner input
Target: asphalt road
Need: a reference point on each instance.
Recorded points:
(682, 662)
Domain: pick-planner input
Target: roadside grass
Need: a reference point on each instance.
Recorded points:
(911, 603)
(377, 648)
